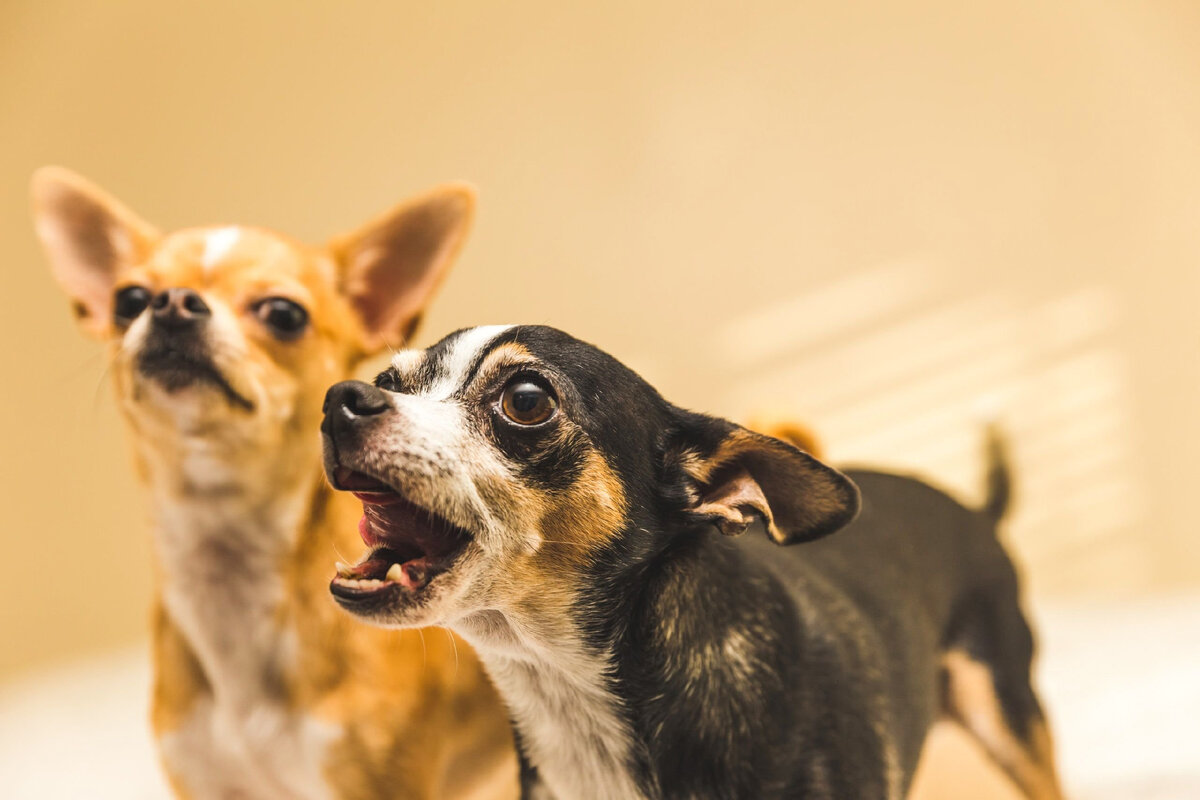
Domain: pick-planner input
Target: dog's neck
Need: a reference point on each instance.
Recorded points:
(224, 542)
(691, 662)
(572, 726)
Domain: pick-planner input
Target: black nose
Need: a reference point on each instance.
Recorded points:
(354, 399)
(178, 308)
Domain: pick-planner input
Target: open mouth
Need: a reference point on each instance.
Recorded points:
(175, 368)
(410, 546)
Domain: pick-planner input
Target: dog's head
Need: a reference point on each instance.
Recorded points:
(504, 467)
(223, 339)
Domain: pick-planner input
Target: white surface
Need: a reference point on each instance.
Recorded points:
(1122, 682)
(80, 731)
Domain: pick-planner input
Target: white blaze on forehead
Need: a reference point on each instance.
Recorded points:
(407, 360)
(218, 244)
(455, 364)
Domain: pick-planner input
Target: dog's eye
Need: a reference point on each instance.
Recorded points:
(388, 380)
(526, 403)
(285, 318)
(129, 302)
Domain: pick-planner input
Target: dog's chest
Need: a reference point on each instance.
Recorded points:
(225, 595)
(261, 753)
(224, 591)
(570, 728)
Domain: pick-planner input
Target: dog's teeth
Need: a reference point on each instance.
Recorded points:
(395, 573)
(343, 569)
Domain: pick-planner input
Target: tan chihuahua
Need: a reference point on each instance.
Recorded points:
(223, 341)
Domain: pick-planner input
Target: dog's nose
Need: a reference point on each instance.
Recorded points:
(355, 399)
(179, 308)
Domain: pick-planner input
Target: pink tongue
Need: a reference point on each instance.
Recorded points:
(368, 535)
(381, 523)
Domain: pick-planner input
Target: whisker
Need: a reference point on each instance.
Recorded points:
(338, 553)
(67, 373)
(99, 384)
(122, 349)
(387, 342)
(398, 639)
(453, 644)
(424, 652)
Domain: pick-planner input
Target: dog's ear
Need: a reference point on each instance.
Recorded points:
(392, 265)
(89, 237)
(732, 477)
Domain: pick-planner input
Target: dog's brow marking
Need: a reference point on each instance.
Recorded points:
(218, 244)
(456, 365)
(406, 361)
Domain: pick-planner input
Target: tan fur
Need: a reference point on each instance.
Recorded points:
(404, 714)
(569, 525)
(745, 447)
(572, 526)
(536, 573)
(971, 701)
(541, 581)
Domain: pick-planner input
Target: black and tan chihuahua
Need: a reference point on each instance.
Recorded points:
(533, 494)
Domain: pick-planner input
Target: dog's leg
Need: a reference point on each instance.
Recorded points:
(988, 691)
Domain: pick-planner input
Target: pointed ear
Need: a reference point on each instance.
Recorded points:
(392, 265)
(89, 237)
(734, 476)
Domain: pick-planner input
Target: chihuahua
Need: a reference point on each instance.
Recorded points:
(222, 342)
(533, 494)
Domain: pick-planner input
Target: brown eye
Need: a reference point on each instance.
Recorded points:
(526, 403)
(129, 303)
(284, 318)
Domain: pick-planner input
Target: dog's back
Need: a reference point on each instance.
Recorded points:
(908, 614)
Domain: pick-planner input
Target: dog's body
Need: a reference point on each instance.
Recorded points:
(862, 640)
(580, 543)
(223, 341)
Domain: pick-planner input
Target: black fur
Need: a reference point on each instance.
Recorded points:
(750, 670)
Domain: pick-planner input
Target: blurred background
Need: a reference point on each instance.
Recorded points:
(894, 221)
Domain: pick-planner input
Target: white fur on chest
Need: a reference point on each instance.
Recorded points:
(264, 753)
(569, 723)
(223, 590)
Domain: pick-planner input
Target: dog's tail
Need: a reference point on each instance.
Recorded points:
(999, 476)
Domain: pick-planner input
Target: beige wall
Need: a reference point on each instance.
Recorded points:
(892, 222)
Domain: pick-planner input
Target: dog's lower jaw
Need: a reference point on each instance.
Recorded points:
(174, 373)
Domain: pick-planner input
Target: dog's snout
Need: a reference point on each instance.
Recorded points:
(355, 399)
(347, 403)
(179, 308)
